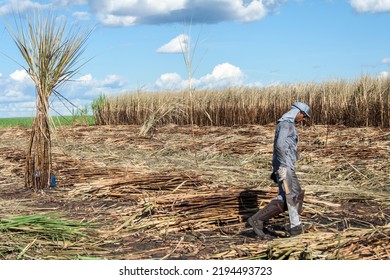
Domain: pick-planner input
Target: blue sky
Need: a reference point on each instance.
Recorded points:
(137, 45)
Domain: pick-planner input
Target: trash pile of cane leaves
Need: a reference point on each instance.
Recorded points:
(170, 196)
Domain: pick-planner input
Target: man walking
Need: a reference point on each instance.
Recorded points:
(285, 154)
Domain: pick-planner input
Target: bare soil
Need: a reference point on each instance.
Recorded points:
(186, 194)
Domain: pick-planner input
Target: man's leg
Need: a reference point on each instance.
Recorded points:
(292, 192)
(274, 208)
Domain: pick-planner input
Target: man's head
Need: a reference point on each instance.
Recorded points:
(304, 111)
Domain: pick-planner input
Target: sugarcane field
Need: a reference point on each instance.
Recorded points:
(170, 195)
(248, 171)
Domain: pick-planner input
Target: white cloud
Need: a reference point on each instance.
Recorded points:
(171, 81)
(20, 6)
(113, 81)
(131, 12)
(87, 86)
(17, 109)
(67, 3)
(136, 8)
(386, 60)
(20, 76)
(13, 95)
(223, 75)
(254, 11)
(371, 6)
(85, 78)
(82, 15)
(112, 20)
(177, 45)
(384, 75)
(17, 92)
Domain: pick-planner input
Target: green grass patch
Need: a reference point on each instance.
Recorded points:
(59, 121)
(10, 122)
(43, 236)
(48, 225)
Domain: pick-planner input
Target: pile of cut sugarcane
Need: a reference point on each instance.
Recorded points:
(180, 206)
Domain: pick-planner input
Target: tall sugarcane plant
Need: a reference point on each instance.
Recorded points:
(52, 51)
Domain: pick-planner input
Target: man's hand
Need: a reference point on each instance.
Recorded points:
(273, 177)
(282, 173)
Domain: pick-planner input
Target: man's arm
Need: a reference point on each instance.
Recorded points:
(281, 146)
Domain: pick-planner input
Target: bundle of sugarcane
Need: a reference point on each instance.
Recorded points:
(51, 51)
(135, 183)
(189, 208)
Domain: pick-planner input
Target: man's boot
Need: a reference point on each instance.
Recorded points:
(297, 230)
(275, 207)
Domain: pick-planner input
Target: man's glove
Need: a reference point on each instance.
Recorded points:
(282, 173)
(273, 177)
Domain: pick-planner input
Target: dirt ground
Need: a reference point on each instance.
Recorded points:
(186, 194)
